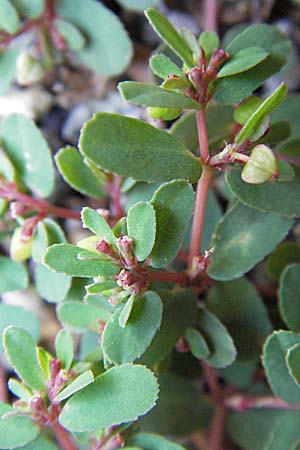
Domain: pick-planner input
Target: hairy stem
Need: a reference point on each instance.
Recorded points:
(63, 437)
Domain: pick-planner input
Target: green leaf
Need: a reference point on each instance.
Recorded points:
(14, 276)
(269, 197)
(8, 59)
(285, 171)
(129, 147)
(252, 429)
(138, 5)
(238, 305)
(286, 433)
(289, 110)
(126, 311)
(30, 155)
(285, 254)
(242, 61)
(64, 347)
(19, 390)
(179, 312)
(222, 349)
(92, 220)
(191, 41)
(245, 110)
(162, 66)
(77, 174)
(9, 18)
(18, 317)
(237, 87)
(21, 351)
(141, 226)
(279, 378)
(71, 34)
(46, 233)
(209, 41)
(170, 36)
(180, 409)
(289, 301)
(293, 362)
(268, 105)
(80, 316)
(44, 359)
(143, 94)
(111, 399)
(29, 8)
(244, 237)
(51, 286)
(108, 50)
(174, 204)
(16, 431)
(121, 345)
(149, 441)
(64, 258)
(197, 343)
(39, 443)
(290, 147)
(78, 384)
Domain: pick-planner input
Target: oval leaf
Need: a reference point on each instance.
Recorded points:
(14, 276)
(92, 220)
(293, 362)
(64, 347)
(83, 380)
(16, 431)
(243, 61)
(141, 226)
(289, 299)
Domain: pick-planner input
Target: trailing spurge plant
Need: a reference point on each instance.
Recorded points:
(170, 330)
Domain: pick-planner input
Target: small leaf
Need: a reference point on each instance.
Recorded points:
(222, 349)
(21, 352)
(14, 276)
(286, 253)
(148, 441)
(197, 343)
(244, 237)
(111, 399)
(77, 174)
(289, 300)
(71, 34)
(46, 233)
(129, 147)
(279, 378)
(80, 316)
(92, 220)
(126, 311)
(174, 204)
(268, 105)
(16, 431)
(51, 286)
(28, 8)
(121, 345)
(156, 112)
(285, 171)
(143, 94)
(141, 226)
(293, 362)
(170, 36)
(64, 347)
(191, 42)
(44, 359)
(64, 258)
(243, 61)
(19, 390)
(245, 110)
(9, 18)
(162, 66)
(107, 52)
(83, 380)
(209, 41)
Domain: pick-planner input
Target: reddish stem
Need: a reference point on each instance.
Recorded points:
(3, 389)
(211, 15)
(202, 134)
(199, 213)
(240, 402)
(63, 437)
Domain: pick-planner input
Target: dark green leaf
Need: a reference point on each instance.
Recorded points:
(108, 49)
(64, 258)
(162, 66)
(278, 375)
(170, 36)
(244, 237)
(209, 41)
(280, 198)
(64, 347)
(285, 171)
(174, 204)
(290, 147)
(285, 254)
(278, 131)
(238, 305)
(143, 94)
(242, 61)
(293, 362)
(289, 110)
(30, 155)
(21, 351)
(245, 110)
(289, 299)
(129, 147)
(14, 275)
(222, 350)
(197, 343)
(111, 399)
(141, 226)
(77, 174)
(121, 345)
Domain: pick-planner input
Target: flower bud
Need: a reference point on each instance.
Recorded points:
(20, 249)
(164, 113)
(29, 69)
(261, 166)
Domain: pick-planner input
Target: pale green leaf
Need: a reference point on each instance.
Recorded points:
(9, 18)
(64, 347)
(8, 59)
(138, 5)
(162, 66)
(29, 8)
(92, 220)
(71, 34)
(79, 383)
(14, 276)
(52, 286)
(141, 226)
(17, 431)
(80, 316)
